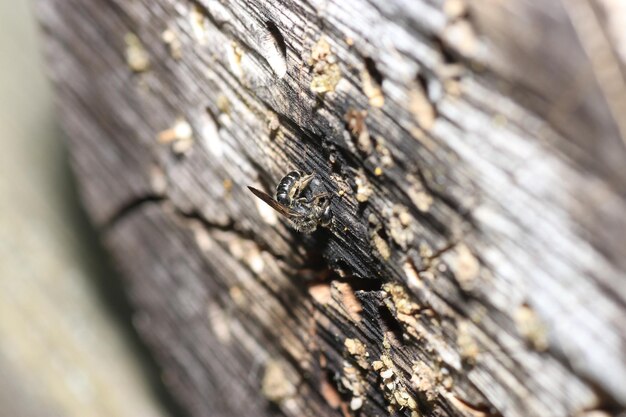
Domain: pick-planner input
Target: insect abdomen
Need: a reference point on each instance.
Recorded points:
(284, 187)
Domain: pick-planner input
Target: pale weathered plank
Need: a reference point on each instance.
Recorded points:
(477, 245)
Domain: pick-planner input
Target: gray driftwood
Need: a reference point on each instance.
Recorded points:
(475, 266)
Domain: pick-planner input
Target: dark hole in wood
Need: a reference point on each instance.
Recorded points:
(449, 57)
(278, 37)
(390, 325)
(370, 66)
(421, 79)
(213, 117)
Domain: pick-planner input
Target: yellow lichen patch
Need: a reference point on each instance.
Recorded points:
(275, 385)
(158, 180)
(344, 295)
(399, 221)
(381, 246)
(529, 325)
(321, 51)
(341, 184)
(355, 121)
(392, 385)
(137, 57)
(352, 380)
(372, 89)
(219, 323)
(326, 79)
(377, 234)
(384, 154)
(421, 107)
(363, 188)
(467, 344)
(412, 275)
(180, 136)
(423, 200)
(386, 344)
(419, 197)
(425, 250)
(237, 295)
(401, 300)
(326, 73)
(466, 267)
(198, 22)
(378, 171)
(358, 350)
(234, 56)
(228, 186)
(404, 309)
(173, 43)
(424, 380)
(273, 123)
(223, 104)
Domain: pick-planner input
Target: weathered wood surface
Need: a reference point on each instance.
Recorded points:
(477, 251)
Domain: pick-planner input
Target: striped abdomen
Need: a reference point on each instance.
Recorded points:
(285, 186)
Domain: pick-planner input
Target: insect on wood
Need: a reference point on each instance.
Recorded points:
(301, 199)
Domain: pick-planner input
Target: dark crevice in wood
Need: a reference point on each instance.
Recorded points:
(423, 82)
(278, 37)
(370, 66)
(213, 117)
(390, 326)
(449, 55)
(129, 208)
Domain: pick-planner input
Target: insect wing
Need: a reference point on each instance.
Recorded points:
(284, 210)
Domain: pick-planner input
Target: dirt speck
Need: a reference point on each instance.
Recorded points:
(363, 187)
(358, 350)
(137, 57)
(172, 41)
(355, 122)
(352, 380)
(421, 107)
(399, 225)
(461, 36)
(466, 267)
(275, 385)
(466, 342)
(198, 22)
(529, 325)
(180, 136)
(424, 380)
(381, 246)
(372, 89)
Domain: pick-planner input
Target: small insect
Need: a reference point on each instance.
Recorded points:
(301, 199)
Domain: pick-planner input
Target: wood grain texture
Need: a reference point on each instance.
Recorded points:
(475, 265)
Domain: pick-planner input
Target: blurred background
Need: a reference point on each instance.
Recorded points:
(66, 345)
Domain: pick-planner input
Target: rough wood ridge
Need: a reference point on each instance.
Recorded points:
(475, 265)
